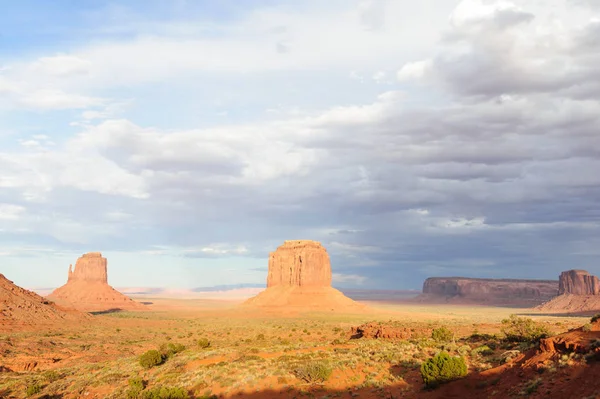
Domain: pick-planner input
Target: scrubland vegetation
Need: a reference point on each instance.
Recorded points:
(161, 356)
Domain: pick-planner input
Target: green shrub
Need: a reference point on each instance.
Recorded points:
(52, 376)
(151, 358)
(587, 327)
(442, 368)
(595, 318)
(483, 350)
(314, 372)
(165, 393)
(33, 389)
(523, 329)
(442, 334)
(203, 343)
(169, 350)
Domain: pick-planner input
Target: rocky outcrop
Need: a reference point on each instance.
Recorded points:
(91, 267)
(20, 306)
(299, 278)
(488, 291)
(375, 330)
(87, 288)
(579, 293)
(578, 282)
(299, 263)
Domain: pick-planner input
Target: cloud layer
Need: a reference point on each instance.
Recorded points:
(465, 147)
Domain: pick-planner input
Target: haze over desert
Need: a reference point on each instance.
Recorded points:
(256, 199)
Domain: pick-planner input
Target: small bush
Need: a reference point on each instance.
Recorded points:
(442, 334)
(33, 389)
(314, 372)
(595, 318)
(137, 382)
(523, 329)
(165, 393)
(52, 376)
(169, 350)
(442, 368)
(151, 359)
(203, 343)
(587, 327)
(483, 350)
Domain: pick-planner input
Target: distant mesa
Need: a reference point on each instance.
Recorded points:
(578, 282)
(87, 288)
(299, 278)
(23, 307)
(579, 291)
(488, 291)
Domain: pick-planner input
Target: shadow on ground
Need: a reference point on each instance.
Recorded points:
(108, 311)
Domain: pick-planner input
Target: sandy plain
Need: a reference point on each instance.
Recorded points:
(260, 353)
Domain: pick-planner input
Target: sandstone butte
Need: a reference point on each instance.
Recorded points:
(299, 278)
(488, 291)
(87, 288)
(579, 292)
(22, 307)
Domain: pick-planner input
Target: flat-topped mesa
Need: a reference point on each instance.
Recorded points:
(91, 267)
(299, 263)
(578, 282)
(489, 290)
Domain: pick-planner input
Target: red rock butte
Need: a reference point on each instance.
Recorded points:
(87, 288)
(578, 282)
(299, 263)
(579, 292)
(299, 278)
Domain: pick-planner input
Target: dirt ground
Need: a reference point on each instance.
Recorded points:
(261, 354)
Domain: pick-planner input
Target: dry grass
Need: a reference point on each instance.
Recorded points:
(247, 353)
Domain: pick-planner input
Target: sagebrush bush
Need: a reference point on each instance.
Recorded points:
(171, 349)
(52, 376)
(314, 372)
(165, 393)
(586, 327)
(483, 350)
(151, 359)
(523, 329)
(442, 334)
(442, 368)
(33, 389)
(203, 343)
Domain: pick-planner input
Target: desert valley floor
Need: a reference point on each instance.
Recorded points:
(254, 353)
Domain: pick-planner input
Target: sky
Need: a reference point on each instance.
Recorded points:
(186, 139)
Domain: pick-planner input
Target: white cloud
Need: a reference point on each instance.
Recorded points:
(11, 211)
(57, 99)
(61, 65)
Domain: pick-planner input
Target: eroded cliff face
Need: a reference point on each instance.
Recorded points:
(578, 282)
(299, 279)
(299, 263)
(90, 267)
(87, 287)
(489, 290)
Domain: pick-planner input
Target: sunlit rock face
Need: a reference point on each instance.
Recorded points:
(578, 282)
(299, 263)
(87, 287)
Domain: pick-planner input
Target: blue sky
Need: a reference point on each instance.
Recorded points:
(187, 139)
